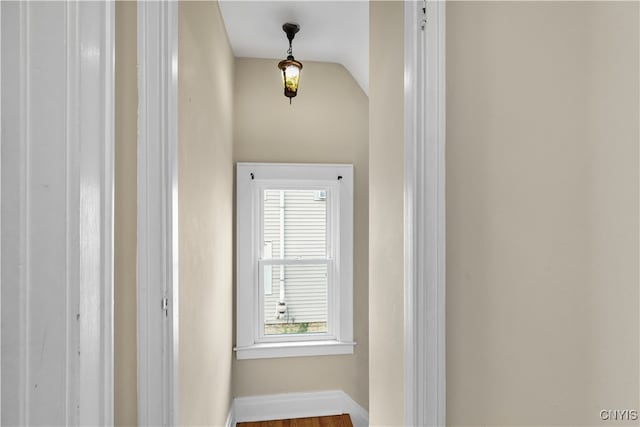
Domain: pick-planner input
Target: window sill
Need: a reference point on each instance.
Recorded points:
(294, 349)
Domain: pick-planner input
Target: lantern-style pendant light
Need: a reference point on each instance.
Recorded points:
(290, 67)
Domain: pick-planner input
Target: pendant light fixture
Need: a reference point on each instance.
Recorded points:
(290, 67)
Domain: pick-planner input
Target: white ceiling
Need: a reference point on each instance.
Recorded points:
(330, 31)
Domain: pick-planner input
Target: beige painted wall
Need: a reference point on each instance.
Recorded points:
(205, 181)
(386, 213)
(542, 208)
(327, 123)
(126, 106)
(542, 211)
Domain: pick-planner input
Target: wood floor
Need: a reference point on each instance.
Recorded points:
(331, 421)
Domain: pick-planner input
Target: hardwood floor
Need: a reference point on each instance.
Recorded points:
(331, 421)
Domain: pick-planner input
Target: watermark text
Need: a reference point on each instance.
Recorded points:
(619, 415)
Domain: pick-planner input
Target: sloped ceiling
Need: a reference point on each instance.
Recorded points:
(330, 31)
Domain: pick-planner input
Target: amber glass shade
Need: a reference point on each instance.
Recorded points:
(290, 76)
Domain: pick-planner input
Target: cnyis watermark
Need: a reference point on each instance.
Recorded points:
(619, 415)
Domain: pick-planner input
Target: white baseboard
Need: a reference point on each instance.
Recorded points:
(231, 417)
(296, 405)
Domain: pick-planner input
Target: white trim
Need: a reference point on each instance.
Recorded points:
(294, 349)
(108, 46)
(424, 231)
(0, 209)
(251, 179)
(157, 252)
(231, 417)
(57, 227)
(411, 22)
(92, 26)
(296, 405)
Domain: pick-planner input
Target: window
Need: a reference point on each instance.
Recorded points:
(294, 260)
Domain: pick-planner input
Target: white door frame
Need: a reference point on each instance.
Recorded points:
(157, 241)
(57, 67)
(424, 213)
(424, 228)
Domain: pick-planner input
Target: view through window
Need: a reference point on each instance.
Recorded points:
(295, 262)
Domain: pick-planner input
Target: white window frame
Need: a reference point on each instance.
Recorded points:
(252, 180)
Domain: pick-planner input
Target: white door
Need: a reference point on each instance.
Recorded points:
(56, 216)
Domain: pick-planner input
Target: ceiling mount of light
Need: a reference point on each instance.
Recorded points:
(290, 67)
